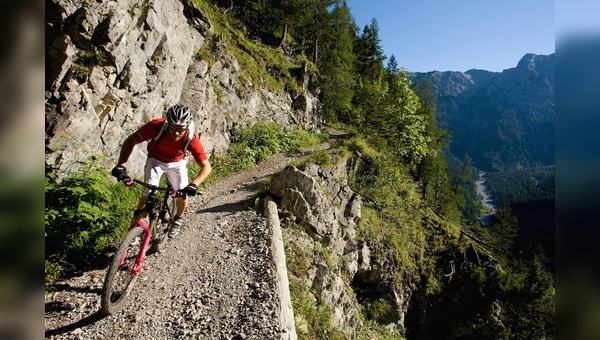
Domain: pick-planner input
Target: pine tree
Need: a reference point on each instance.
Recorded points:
(337, 70)
(504, 226)
(369, 52)
(367, 106)
(392, 66)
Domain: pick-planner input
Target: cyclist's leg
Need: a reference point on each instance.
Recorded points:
(178, 176)
(181, 203)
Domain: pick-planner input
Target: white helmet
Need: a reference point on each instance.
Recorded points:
(179, 115)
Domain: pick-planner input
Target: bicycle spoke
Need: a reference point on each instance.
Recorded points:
(120, 277)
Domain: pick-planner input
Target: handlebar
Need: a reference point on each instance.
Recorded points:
(175, 193)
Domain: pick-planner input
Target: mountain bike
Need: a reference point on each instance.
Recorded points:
(126, 264)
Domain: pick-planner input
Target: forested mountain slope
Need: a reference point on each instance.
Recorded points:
(504, 122)
(502, 119)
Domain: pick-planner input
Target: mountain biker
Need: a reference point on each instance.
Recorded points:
(166, 154)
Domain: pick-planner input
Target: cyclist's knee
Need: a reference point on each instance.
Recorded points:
(142, 201)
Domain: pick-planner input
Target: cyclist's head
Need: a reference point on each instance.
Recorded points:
(179, 115)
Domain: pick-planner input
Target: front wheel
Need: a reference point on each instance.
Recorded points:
(120, 277)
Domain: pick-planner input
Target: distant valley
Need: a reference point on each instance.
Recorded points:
(504, 121)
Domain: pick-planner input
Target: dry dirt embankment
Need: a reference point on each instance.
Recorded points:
(213, 281)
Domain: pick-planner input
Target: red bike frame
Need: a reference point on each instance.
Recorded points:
(137, 267)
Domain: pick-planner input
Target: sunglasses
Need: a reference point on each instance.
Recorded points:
(177, 128)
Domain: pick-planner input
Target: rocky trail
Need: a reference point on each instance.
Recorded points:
(215, 280)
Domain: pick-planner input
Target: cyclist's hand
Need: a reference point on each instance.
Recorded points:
(120, 172)
(190, 190)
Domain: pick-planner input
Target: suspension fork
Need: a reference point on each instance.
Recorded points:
(137, 267)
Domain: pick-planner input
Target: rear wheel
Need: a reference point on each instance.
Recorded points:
(120, 278)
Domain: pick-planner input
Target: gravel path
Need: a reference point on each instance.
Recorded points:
(213, 281)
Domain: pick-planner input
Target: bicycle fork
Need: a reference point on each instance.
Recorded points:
(137, 267)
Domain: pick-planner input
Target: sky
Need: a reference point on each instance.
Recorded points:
(458, 35)
(577, 17)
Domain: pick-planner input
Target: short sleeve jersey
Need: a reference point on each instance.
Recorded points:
(167, 149)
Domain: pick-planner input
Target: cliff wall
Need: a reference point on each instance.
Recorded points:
(113, 65)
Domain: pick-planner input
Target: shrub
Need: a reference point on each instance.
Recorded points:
(380, 310)
(255, 144)
(320, 158)
(84, 213)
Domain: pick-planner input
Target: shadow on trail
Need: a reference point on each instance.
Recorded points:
(59, 307)
(67, 287)
(227, 207)
(78, 324)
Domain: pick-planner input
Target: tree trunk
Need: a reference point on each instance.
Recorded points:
(284, 35)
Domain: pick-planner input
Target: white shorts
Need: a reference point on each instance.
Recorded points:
(176, 173)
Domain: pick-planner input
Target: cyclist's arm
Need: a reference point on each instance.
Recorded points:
(201, 159)
(127, 149)
(205, 170)
(144, 133)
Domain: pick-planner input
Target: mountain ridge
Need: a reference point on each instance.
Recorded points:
(500, 119)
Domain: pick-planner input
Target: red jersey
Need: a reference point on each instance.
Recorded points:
(167, 149)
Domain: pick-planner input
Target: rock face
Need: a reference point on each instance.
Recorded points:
(328, 211)
(113, 65)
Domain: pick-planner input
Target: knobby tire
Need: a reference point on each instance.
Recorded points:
(120, 279)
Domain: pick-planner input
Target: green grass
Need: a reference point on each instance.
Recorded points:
(256, 144)
(260, 65)
(320, 158)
